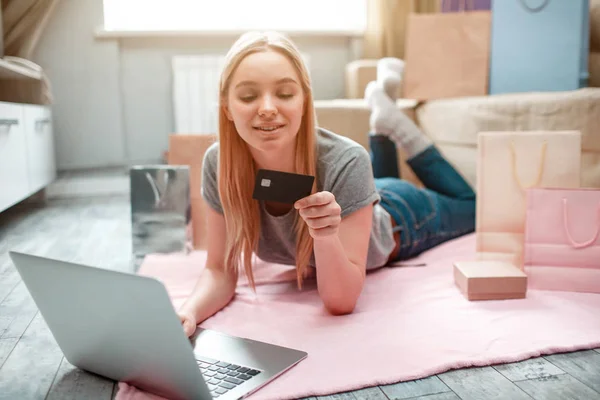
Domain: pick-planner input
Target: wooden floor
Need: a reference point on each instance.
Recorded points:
(96, 231)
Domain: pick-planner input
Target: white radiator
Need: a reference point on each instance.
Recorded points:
(196, 92)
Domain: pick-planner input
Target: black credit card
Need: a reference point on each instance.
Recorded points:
(281, 187)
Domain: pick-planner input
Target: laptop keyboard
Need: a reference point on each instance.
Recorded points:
(221, 377)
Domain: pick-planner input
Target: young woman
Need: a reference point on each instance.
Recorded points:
(353, 220)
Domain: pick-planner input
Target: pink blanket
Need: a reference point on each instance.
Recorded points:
(411, 322)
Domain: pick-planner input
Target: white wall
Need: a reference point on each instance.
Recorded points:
(84, 74)
(113, 97)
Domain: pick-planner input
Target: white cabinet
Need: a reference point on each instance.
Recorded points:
(14, 178)
(27, 161)
(40, 146)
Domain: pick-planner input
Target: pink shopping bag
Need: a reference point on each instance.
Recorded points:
(562, 239)
(508, 164)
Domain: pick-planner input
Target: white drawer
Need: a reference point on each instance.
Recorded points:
(14, 175)
(40, 146)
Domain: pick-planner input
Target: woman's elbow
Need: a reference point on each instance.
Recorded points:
(338, 308)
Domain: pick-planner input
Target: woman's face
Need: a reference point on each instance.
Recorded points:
(266, 101)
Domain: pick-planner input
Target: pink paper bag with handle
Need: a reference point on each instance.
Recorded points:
(562, 239)
(508, 164)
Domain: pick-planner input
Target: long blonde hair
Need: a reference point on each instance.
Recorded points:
(237, 169)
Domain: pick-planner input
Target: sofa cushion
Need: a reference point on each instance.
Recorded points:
(453, 124)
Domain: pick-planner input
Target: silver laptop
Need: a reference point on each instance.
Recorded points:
(124, 327)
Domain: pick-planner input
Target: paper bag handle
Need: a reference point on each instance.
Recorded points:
(540, 167)
(566, 225)
(534, 9)
(157, 195)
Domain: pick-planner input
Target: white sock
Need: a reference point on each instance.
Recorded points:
(389, 75)
(387, 119)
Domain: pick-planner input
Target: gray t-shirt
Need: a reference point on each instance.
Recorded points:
(344, 169)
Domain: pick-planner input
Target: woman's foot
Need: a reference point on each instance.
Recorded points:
(388, 120)
(389, 75)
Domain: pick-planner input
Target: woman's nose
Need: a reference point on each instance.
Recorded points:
(267, 107)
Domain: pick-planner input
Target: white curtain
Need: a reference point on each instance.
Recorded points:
(386, 25)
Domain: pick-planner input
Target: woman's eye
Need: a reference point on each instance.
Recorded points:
(248, 98)
(286, 96)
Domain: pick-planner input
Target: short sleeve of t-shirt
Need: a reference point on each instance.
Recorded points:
(350, 179)
(210, 187)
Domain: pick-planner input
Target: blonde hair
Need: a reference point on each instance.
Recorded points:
(237, 169)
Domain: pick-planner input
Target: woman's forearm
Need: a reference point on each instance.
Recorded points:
(213, 291)
(339, 280)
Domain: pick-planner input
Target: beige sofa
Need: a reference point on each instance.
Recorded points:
(453, 124)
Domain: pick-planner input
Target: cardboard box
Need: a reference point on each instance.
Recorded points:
(189, 149)
(490, 280)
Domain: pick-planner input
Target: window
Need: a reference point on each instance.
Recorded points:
(235, 15)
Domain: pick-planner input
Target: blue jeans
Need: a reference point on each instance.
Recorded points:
(425, 217)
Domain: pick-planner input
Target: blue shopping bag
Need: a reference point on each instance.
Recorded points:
(539, 45)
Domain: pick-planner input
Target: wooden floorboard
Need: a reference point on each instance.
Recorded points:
(17, 310)
(32, 365)
(96, 231)
(71, 383)
(416, 388)
(558, 387)
(529, 369)
(8, 279)
(339, 396)
(439, 396)
(481, 383)
(6, 347)
(372, 393)
(582, 365)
